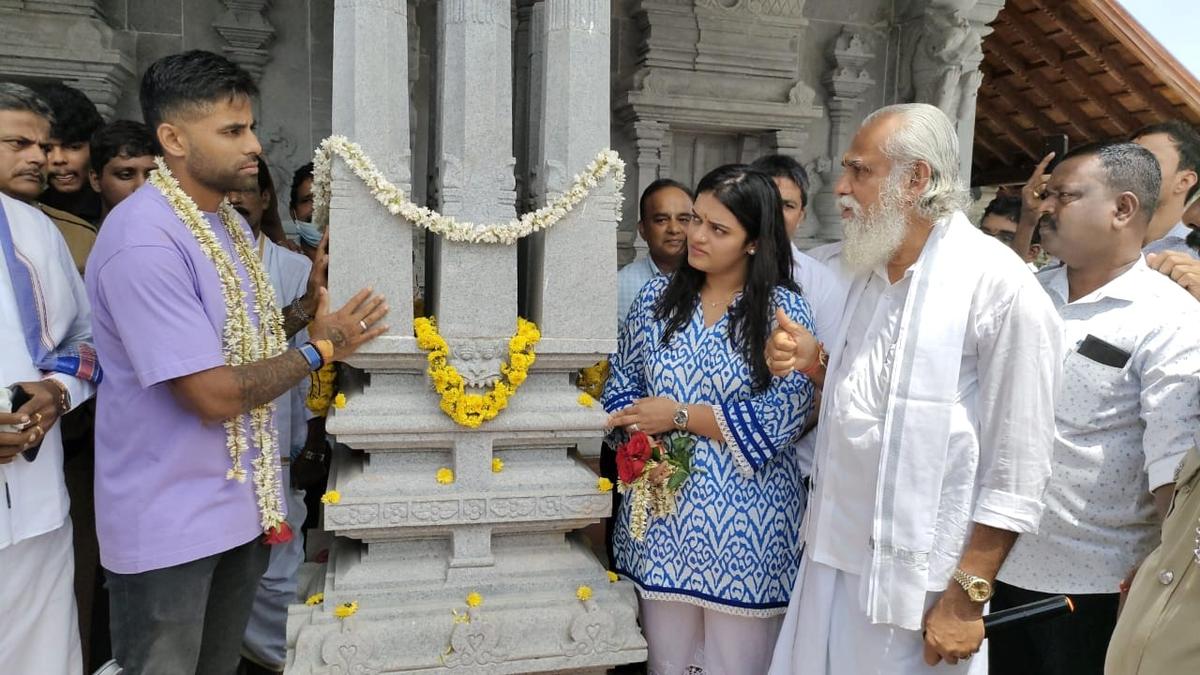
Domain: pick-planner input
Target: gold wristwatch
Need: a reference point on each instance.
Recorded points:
(978, 589)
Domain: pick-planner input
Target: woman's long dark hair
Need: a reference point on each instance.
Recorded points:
(751, 195)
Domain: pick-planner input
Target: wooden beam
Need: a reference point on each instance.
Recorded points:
(1073, 73)
(1044, 88)
(1009, 94)
(987, 143)
(1113, 16)
(1087, 39)
(1013, 133)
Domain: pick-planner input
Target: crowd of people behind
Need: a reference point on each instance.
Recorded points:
(894, 434)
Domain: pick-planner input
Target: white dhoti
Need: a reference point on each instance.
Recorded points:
(37, 591)
(685, 639)
(826, 632)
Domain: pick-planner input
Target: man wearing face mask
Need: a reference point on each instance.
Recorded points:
(300, 207)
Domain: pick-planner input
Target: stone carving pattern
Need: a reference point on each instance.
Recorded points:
(773, 8)
(349, 652)
(584, 14)
(478, 361)
(477, 11)
(944, 61)
(592, 631)
(247, 33)
(475, 643)
(473, 509)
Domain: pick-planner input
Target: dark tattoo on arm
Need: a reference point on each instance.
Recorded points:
(264, 381)
(294, 320)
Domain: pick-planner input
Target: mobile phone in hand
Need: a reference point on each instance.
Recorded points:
(17, 397)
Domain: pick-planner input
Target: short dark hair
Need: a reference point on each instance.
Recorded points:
(120, 138)
(195, 78)
(75, 116)
(1128, 167)
(1186, 141)
(785, 166)
(302, 174)
(1008, 206)
(657, 185)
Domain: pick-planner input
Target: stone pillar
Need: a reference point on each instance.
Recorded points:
(942, 55)
(846, 81)
(575, 127)
(537, 75)
(412, 547)
(370, 107)
(649, 137)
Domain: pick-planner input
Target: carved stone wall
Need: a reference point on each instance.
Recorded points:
(102, 47)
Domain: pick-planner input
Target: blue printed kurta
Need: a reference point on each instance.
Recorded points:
(734, 543)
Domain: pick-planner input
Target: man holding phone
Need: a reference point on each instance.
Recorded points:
(47, 367)
(1125, 415)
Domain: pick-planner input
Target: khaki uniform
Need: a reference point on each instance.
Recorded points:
(79, 233)
(1157, 632)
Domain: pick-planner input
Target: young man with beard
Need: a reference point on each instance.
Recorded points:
(121, 157)
(187, 464)
(264, 647)
(1176, 146)
(1125, 416)
(664, 212)
(937, 417)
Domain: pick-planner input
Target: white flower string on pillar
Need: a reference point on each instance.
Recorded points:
(606, 164)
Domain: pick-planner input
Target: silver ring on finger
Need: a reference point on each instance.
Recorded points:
(363, 325)
(633, 427)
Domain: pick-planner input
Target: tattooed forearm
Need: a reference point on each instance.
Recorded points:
(294, 320)
(264, 381)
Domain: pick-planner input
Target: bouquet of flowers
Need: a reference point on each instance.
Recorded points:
(653, 471)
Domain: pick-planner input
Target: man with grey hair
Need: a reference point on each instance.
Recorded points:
(1126, 414)
(47, 368)
(936, 421)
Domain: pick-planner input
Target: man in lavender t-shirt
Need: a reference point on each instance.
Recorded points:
(182, 546)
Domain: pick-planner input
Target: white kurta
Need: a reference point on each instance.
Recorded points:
(36, 585)
(992, 471)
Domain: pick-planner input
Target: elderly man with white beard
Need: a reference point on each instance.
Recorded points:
(937, 419)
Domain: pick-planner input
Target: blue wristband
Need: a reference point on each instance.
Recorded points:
(310, 354)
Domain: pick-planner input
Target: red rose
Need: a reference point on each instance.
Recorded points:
(632, 457)
(280, 534)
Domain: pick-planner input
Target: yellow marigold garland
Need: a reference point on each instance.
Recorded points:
(331, 497)
(472, 410)
(604, 485)
(242, 340)
(346, 610)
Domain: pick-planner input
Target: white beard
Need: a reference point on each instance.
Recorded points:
(873, 235)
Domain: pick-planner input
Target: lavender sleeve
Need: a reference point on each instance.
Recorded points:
(151, 296)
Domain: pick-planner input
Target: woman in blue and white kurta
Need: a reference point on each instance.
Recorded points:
(715, 578)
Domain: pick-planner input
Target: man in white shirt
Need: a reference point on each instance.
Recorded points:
(664, 212)
(1176, 146)
(41, 631)
(820, 285)
(936, 423)
(1125, 416)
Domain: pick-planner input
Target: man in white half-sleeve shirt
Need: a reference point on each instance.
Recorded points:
(1129, 406)
(937, 420)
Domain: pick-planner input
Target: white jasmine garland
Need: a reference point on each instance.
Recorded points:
(606, 164)
(242, 342)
